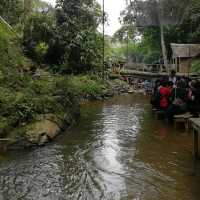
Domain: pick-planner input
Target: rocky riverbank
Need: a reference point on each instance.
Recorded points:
(45, 127)
(111, 88)
(37, 104)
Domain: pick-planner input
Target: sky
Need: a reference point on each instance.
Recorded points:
(113, 9)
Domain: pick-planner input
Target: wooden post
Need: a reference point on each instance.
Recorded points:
(195, 143)
(187, 125)
(176, 64)
(195, 149)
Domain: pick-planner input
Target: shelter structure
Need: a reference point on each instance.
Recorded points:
(117, 66)
(183, 55)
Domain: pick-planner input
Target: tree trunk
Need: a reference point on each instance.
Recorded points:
(27, 4)
(164, 50)
(27, 7)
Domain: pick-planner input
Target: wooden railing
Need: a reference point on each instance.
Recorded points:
(140, 67)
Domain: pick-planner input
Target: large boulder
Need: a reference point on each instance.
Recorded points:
(43, 130)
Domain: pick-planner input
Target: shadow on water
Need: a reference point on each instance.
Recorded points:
(118, 151)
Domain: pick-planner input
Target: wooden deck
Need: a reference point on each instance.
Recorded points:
(183, 118)
(195, 125)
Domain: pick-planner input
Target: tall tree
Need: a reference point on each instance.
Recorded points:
(27, 7)
(77, 23)
(11, 10)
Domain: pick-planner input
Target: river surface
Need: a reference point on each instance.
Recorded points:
(117, 151)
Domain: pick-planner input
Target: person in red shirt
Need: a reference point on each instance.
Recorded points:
(164, 95)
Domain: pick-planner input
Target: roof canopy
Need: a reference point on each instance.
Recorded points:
(185, 50)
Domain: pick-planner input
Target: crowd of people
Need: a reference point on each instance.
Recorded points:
(176, 95)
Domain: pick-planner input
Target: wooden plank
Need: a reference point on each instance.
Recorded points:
(183, 118)
(195, 124)
(150, 74)
(195, 121)
(5, 139)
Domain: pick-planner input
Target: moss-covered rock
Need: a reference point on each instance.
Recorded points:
(37, 131)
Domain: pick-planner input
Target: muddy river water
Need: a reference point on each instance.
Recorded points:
(117, 151)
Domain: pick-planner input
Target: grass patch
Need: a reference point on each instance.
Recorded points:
(196, 66)
(86, 86)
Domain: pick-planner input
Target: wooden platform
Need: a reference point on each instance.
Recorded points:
(195, 125)
(5, 139)
(183, 118)
(149, 74)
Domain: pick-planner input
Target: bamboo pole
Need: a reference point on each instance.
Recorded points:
(6, 23)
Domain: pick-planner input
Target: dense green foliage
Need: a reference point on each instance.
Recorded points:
(59, 38)
(64, 37)
(24, 93)
(39, 32)
(77, 23)
(87, 86)
(183, 29)
(144, 47)
(11, 11)
(196, 66)
(64, 41)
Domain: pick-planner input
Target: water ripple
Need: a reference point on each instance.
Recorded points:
(116, 152)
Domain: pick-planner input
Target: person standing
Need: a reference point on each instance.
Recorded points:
(164, 95)
(172, 77)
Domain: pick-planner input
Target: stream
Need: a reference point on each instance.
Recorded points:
(117, 151)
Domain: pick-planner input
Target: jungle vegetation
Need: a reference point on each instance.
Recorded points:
(148, 27)
(49, 53)
(41, 50)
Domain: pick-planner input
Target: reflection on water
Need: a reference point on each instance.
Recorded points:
(116, 152)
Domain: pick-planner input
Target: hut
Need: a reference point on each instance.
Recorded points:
(183, 55)
(117, 66)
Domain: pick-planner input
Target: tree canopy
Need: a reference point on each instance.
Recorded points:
(161, 22)
(77, 23)
(65, 37)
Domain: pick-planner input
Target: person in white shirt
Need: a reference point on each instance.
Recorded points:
(172, 77)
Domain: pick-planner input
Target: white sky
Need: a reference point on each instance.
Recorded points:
(53, 2)
(113, 8)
